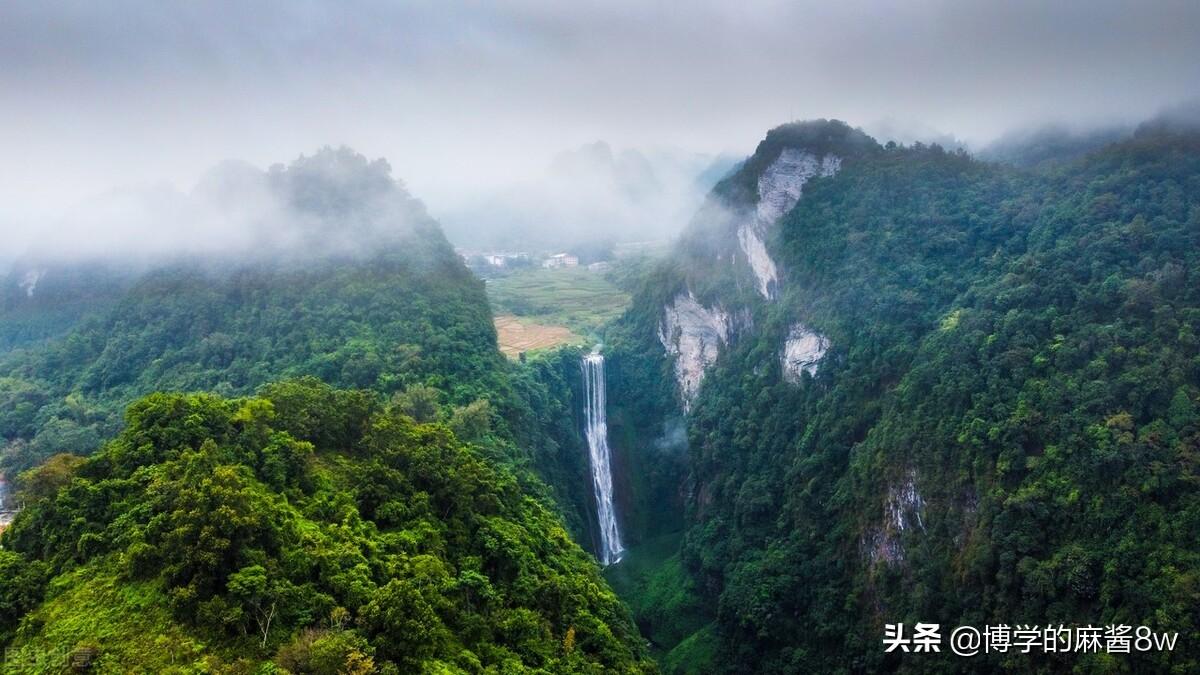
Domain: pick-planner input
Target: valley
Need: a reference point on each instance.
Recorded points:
(867, 382)
(599, 338)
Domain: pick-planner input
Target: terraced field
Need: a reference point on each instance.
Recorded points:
(541, 308)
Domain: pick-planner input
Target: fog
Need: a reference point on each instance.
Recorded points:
(331, 203)
(588, 194)
(121, 107)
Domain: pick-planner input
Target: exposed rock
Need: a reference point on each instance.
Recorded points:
(781, 184)
(693, 335)
(760, 261)
(802, 352)
(902, 513)
(830, 164)
(904, 506)
(779, 188)
(30, 281)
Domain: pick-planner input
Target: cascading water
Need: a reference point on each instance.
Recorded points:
(7, 510)
(596, 429)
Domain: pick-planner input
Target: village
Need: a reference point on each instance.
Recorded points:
(483, 262)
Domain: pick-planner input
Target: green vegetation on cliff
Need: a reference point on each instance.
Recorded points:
(1005, 428)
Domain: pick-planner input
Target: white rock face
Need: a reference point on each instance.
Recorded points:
(760, 261)
(693, 335)
(779, 188)
(830, 164)
(30, 281)
(905, 505)
(902, 512)
(802, 352)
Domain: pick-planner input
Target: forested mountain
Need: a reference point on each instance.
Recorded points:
(309, 525)
(871, 384)
(922, 387)
(341, 275)
(366, 484)
(35, 307)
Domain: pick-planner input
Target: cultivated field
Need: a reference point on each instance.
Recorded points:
(517, 335)
(576, 298)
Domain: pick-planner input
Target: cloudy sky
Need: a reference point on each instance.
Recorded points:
(461, 97)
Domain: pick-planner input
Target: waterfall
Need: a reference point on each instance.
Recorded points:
(596, 428)
(7, 511)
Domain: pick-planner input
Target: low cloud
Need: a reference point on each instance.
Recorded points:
(333, 202)
(587, 194)
(466, 100)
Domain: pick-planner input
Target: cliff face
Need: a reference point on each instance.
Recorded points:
(779, 188)
(802, 352)
(693, 336)
(729, 247)
(915, 383)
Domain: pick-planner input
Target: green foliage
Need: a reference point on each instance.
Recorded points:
(242, 529)
(397, 547)
(695, 655)
(57, 300)
(384, 323)
(660, 593)
(22, 583)
(418, 402)
(1012, 363)
(327, 652)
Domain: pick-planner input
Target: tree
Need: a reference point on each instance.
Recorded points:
(472, 421)
(418, 402)
(250, 587)
(46, 480)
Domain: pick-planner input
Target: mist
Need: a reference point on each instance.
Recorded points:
(331, 203)
(111, 114)
(588, 194)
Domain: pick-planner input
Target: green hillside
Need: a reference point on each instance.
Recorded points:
(307, 530)
(366, 473)
(1004, 428)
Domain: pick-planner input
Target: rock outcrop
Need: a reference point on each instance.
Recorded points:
(902, 513)
(802, 352)
(779, 188)
(30, 281)
(693, 334)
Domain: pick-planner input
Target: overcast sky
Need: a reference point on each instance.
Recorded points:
(461, 97)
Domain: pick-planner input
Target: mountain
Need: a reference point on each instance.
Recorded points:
(870, 384)
(40, 300)
(917, 386)
(306, 530)
(1049, 145)
(365, 484)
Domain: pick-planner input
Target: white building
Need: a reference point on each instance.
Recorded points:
(561, 260)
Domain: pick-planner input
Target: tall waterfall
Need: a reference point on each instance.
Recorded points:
(597, 439)
(7, 510)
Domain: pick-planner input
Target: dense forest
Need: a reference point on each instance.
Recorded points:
(416, 518)
(1004, 428)
(391, 309)
(307, 530)
(871, 383)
